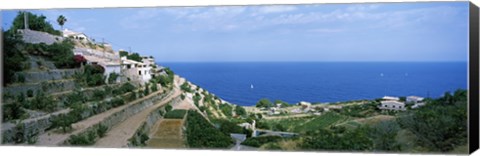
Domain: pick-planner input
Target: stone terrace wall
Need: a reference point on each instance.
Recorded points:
(47, 87)
(40, 76)
(152, 118)
(33, 127)
(125, 113)
(28, 128)
(31, 36)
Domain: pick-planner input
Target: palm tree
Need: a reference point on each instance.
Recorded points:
(61, 20)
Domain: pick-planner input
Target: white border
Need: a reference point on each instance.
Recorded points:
(71, 151)
(45, 4)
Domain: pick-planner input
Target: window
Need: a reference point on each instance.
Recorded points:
(385, 106)
(393, 106)
(139, 72)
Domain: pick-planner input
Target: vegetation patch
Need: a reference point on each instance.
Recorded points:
(259, 141)
(201, 134)
(176, 114)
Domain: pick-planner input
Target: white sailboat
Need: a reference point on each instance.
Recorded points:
(251, 86)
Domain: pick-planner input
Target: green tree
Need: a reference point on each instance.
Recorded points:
(135, 57)
(440, 125)
(112, 77)
(266, 103)
(226, 109)
(384, 134)
(64, 122)
(240, 111)
(61, 20)
(38, 23)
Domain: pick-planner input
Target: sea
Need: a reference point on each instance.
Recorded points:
(245, 83)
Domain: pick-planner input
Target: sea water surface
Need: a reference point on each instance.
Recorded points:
(323, 81)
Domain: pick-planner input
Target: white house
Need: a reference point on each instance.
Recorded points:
(391, 98)
(305, 104)
(136, 71)
(416, 105)
(392, 105)
(414, 99)
(76, 35)
(110, 62)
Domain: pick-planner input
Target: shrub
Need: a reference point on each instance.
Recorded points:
(43, 102)
(83, 139)
(12, 111)
(168, 108)
(79, 60)
(125, 88)
(102, 130)
(21, 78)
(201, 134)
(112, 77)
(227, 127)
(226, 109)
(62, 54)
(29, 93)
(117, 102)
(95, 80)
(99, 94)
(13, 58)
(264, 103)
(259, 141)
(176, 114)
(154, 87)
(146, 91)
(240, 111)
(132, 96)
(186, 87)
(63, 121)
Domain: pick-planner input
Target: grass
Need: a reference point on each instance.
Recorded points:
(168, 135)
(304, 124)
(176, 114)
(321, 122)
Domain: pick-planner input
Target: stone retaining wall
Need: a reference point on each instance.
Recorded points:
(124, 114)
(152, 118)
(47, 87)
(41, 76)
(32, 127)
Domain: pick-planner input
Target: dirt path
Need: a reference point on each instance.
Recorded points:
(118, 135)
(51, 138)
(186, 104)
(167, 134)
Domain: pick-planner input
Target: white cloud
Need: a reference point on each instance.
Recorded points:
(234, 18)
(142, 19)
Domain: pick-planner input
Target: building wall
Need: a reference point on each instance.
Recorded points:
(392, 105)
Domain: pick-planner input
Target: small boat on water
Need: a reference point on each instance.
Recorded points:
(251, 86)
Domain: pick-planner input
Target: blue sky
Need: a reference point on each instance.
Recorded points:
(428, 31)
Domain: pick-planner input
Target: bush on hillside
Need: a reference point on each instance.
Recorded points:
(13, 59)
(176, 114)
(201, 134)
(259, 141)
